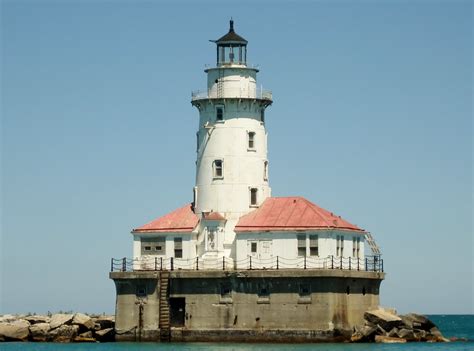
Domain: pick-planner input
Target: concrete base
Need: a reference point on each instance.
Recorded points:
(257, 306)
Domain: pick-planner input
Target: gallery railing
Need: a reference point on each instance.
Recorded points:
(371, 263)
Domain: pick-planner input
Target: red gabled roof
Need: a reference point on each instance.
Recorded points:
(291, 213)
(181, 220)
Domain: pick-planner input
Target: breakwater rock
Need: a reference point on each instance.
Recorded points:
(60, 327)
(385, 326)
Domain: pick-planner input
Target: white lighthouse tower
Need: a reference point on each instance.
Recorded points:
(232, 163)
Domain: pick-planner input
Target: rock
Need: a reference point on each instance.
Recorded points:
(83, 320)
(386, 320)
(388, 340)
(85, 337)
(60, 319)
(65, 333)
(17, 330)
(7, 318)
(105, 334)
(87, 334)
(105, 321)
(381, 331)
(366, 333)
(39, 331)
(393, 333)
(420, 335)
(417, 321)
(407, 334)
(34, 319)
(435, 332)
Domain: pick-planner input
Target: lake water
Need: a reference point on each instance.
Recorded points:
(460, 326)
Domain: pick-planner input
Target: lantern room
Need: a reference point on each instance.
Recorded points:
(231, 48)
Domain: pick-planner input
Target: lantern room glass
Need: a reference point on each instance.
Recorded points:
(231, 54)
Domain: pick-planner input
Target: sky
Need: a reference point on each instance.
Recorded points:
(372, 120)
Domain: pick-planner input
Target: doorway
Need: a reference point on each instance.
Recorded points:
(177, 311)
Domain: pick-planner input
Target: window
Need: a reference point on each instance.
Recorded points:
(340, 245)
(218, 169)
(265, 170)
(253, 247)
(251, 140)
(301, 245)
(305, 290)
(153, 246)
(358, 248)
(219, 113)
(147, 248)
(313, 245)
(253, 196)
(178, 247)
(262, 115)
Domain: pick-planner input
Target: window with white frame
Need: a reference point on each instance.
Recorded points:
(358, 248)
(251, 140)
(178, 247)
(218, 169)
(195, 189)
(301, 245)
(265, 170)
(313, 245)
(253, 196)
(340, 245)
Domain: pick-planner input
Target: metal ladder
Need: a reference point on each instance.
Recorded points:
(373, 246)
(164, 318)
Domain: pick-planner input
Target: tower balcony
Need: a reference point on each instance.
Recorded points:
(260, 94)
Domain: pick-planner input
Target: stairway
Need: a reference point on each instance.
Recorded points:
(164, 321)
(373, 246)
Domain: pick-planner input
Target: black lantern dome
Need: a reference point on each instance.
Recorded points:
(231, 48)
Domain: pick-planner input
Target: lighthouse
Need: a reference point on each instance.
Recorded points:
(231, 147)
(234, 262)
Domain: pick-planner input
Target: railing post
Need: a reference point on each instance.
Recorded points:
(350, 263)
(332, 262)
(161, 263)
(223, 263)
(111, 264)
(171, 263)
(156, 263)
(381, 262)
(358, 263)
(304, 261)
(250, 262)
(375, 263)
(277, 263)
(366, 264)
(341, 263)
(197, 263)
(124, 264)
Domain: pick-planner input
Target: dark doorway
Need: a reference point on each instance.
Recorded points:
(177, 311)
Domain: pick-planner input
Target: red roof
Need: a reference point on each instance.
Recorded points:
(181, 220)
(213, 216)
(291, 213)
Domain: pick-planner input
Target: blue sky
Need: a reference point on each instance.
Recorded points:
(372, 119)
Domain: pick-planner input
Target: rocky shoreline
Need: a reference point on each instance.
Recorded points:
(60, 327)
(385, 326)
(381, 326)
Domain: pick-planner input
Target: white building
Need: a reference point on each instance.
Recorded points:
(233, 221)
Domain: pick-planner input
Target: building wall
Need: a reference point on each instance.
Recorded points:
(236, 82)
(334, 302)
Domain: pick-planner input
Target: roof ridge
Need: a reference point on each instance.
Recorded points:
(316, 209)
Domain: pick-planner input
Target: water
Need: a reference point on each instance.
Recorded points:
(460, 326)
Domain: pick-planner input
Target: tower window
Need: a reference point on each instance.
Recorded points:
(265, 170)
(178, 247)
(218, 169)
(313, 245)
(253, 196)
(194, 196)
(219, 113)
(301, 245)
(251, 140)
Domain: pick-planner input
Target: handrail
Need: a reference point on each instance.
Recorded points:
(155, 263)
(261, 94)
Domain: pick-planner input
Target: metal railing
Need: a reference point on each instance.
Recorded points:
(372, 263)
(261, 94)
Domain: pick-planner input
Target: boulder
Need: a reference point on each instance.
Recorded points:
(37, 319)
(417, 321)
(384, 319)
(107, 334)
(388, 340)
(407, 334)
(85, 337)
(64, 333)
(17, 330)
(393, 333)
(39, 331)
(105, 322)
(83, 321)
(59, 319)
(366, 333)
